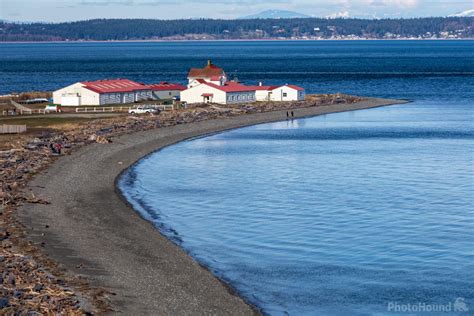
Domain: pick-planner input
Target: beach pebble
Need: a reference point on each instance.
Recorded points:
(11, 280)
(38, 287)
(17, 294)
(4, 302)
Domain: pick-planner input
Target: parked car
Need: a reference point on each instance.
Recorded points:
(144, 109)
(52, 108)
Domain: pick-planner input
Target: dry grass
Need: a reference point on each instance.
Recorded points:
(45, 122)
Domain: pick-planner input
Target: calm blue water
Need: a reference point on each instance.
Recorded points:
(378, 68)
(342, 214)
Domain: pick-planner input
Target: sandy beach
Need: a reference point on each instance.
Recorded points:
(91, 231)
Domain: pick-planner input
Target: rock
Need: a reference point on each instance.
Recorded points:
(38, 287)
(11, 280)
(4, 302)
(17, 294)
(102, 140)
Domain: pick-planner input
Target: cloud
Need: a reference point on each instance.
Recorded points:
(106, 2)
(341, 14)
(395, 3)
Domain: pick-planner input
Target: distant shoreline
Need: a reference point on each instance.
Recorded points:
(239, 40)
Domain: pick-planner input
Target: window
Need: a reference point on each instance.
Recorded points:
(285, 94)
(169, 93)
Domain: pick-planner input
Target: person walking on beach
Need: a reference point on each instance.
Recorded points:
(292, 114)
(287, 114)
(58, 148)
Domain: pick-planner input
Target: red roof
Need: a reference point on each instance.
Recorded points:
(293, 87)
(264, 88)
(207, 94)
(231, 87)
(115, 85)
(165, 86)
(209, 71)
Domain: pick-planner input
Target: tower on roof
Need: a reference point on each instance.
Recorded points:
(210, 73)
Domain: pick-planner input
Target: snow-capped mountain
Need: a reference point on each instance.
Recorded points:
(464, 13)
(276, 14)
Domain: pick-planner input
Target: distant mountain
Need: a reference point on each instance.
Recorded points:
(464, 13)
(276, 14)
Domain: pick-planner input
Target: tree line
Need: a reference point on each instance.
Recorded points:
(143, 29)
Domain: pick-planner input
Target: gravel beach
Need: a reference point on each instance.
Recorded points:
(91, 231)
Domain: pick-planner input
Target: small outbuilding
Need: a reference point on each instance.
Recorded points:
(166, 90)
(207, 92)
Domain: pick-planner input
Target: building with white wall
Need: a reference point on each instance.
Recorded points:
(166, 90)
(102, 92)
(210, 85)
(211, 73)
(115, 91)
(279, 93)
(207, 92)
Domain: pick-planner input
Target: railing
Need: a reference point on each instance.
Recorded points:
(103, 109)
(166, 107)
(24, 112)
(12, 129)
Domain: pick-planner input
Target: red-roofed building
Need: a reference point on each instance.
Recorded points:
(102, 92)
(210, 85)
(233, 92)
(166, 90)
(114, 91)
(210, 73)
(279, 93)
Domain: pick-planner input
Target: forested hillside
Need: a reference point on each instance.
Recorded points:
(298, 28)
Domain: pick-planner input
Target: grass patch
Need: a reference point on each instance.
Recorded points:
(45, 121)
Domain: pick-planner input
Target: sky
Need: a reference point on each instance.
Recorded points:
(74, 10)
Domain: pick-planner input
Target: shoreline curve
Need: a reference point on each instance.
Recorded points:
(92, 231)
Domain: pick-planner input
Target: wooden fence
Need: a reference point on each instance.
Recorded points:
(12, 129)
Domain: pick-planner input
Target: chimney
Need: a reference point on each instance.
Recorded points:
(209, 63)
(260, 84)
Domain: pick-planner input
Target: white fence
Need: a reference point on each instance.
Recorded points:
(12, 129)
(103, 109)
(23, 112)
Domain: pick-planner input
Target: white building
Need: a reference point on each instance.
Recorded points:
(207, 92)
(279, 93)
(102, 92)
(115, 91)
(211, 73)
(210, 85)
(166, 91)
